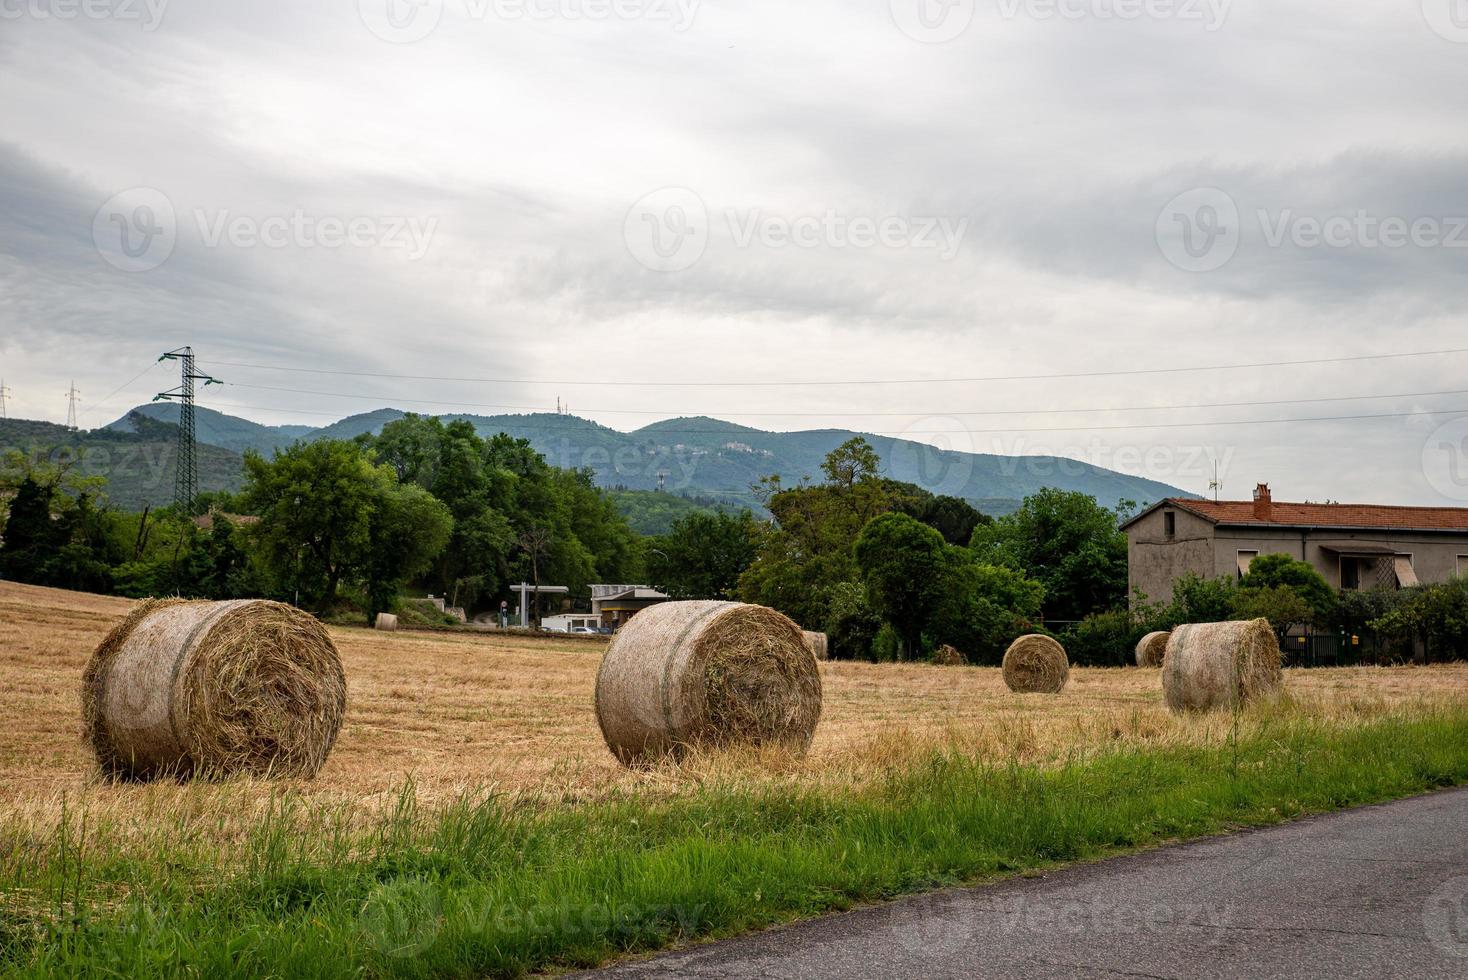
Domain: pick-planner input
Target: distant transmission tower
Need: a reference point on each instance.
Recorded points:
(186, 478)
(71, 397)
(4, 397)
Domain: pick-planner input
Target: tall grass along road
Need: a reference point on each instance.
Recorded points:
(488, 887)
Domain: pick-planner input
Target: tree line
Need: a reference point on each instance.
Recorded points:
(888, 570)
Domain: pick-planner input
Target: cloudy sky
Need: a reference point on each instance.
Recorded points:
(886, 215)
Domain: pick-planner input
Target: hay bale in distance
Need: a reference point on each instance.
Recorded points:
(387, 622)
(1220, 665)
(1152, 648)
(707, 673)
(213, 688)
(1036, 664)
(949, 656)
(817, 643)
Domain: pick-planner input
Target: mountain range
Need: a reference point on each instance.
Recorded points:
(693, 457)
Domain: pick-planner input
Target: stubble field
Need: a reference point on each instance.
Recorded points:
(470, 713)
(470, 821)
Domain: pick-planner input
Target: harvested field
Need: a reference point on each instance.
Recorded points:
(459, 713)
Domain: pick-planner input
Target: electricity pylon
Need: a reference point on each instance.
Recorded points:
(71, 396)
(186, 477)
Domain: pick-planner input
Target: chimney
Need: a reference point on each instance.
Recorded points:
(1263, 503)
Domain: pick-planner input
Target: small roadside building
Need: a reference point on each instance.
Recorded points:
(613, 605)
(1354, 546)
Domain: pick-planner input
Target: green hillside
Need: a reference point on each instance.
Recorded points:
(719, 461)
(138, 463)
(218, 429)
(649, 512)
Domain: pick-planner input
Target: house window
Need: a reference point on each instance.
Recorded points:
(1245, 559)
(1169, 523)
(1363, 572)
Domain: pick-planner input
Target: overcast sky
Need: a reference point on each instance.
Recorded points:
(708, 193)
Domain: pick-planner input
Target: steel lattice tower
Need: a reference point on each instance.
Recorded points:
(71, 396)
(186, 477)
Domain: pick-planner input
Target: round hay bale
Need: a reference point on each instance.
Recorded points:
(387, 622)
(816, 643)
(213, 688)
(949, 656)
(1036, 664)
(683, 674)
(1220, 665)
(1152, 648)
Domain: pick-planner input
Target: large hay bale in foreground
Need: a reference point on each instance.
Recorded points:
(387, 622)
(213, 688)
(684, 674)
(1036, 664)
(1152, 648)
(1220, 665)
(817, 643)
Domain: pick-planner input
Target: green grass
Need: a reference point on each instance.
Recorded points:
(485, 889)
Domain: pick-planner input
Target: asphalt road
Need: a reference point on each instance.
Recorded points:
(1375, 892)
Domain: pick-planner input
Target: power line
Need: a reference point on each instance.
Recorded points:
(867, 381)
(844, 414)
(89, 409)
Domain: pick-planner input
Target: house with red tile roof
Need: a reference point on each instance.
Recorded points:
(1355, 546)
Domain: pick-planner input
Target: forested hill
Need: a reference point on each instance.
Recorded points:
(709, 458)
(136, 464)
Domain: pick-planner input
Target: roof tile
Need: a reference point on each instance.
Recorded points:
(1378, 516)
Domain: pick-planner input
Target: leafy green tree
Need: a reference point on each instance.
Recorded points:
(315, 502)
(902, 561)
(851, 626)
(704, 555)
(953, 517)
(980, 609)
(411, 445)
(1066, 541)
(1104, 639)
(1274, 571)
(807, 553)
(1198, 600)
(408, 528)
(1282, 605)
(32, 535)
(1436, 616)
(851, 464)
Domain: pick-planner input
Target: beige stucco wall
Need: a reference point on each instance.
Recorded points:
(1154, 560)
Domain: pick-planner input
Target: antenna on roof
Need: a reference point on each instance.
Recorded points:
(1215, 484)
